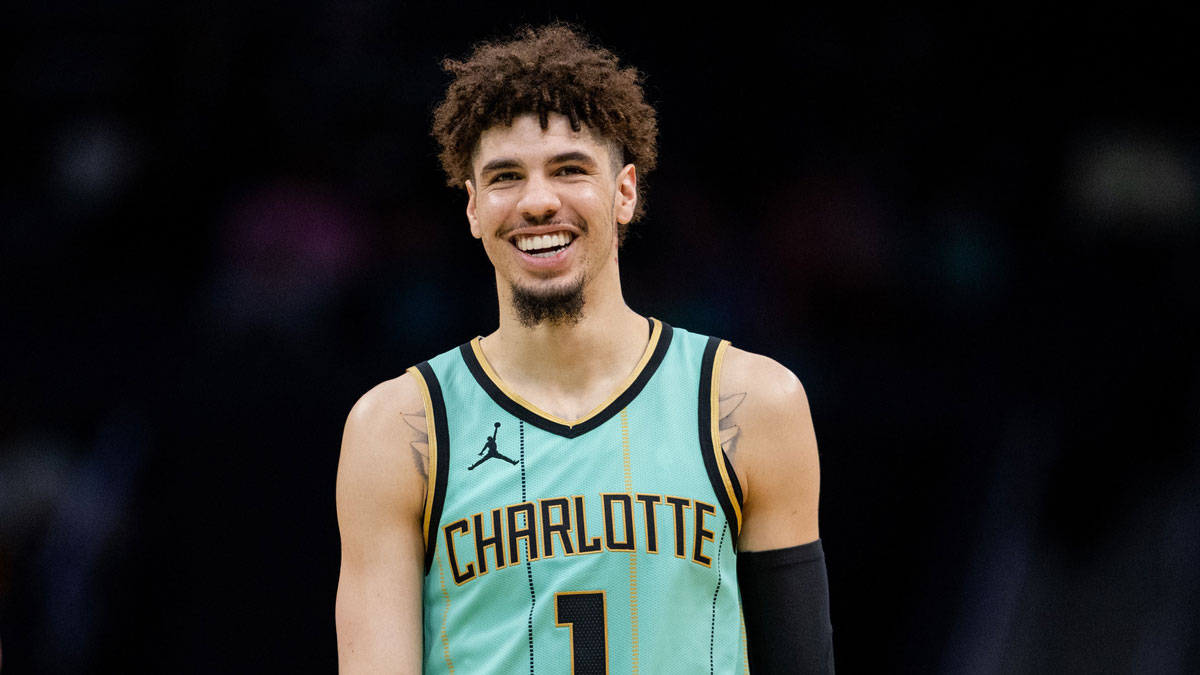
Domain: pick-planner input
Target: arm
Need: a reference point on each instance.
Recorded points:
(380, 501)
(767, 432)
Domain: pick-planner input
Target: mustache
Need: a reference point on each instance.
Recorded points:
(537, 221)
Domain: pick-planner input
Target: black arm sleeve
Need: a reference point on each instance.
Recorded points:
(785, 601)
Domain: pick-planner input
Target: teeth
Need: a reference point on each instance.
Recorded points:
(534, 242)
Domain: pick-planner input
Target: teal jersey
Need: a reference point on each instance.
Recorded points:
(605, 544)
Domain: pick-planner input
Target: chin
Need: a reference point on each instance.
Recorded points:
(560, 304)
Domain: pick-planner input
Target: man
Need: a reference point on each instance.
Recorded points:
(652, 486)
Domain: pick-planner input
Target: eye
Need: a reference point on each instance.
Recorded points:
(504, 177)
(571, 171)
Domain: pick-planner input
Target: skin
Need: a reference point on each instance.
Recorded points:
(533, 181)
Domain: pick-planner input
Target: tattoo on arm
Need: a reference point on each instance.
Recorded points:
(420, 441)
(726, 424)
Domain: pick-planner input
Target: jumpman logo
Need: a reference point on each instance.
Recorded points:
(489, 447)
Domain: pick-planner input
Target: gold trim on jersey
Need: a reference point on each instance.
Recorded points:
(714, 422)
(445, 613)
(431, 478)
(635, 652)
(477, 348)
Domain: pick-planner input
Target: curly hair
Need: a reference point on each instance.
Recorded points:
(544, 70)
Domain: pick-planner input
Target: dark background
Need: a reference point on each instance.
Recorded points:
(973, 236)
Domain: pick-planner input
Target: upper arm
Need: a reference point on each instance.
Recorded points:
(380, 502)
(767, 432)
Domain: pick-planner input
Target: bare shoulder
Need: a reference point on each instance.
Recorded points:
(771, 382)
(377, 405)
(767, 431)
(759, 397)
(385, 449)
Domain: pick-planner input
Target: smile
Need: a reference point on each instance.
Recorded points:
(543, 245)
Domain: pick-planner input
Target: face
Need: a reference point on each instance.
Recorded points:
(546, 204)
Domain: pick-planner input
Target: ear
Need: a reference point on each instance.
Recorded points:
(626, 196)
(471, 217)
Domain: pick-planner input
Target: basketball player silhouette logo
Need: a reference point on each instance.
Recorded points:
(489, 450)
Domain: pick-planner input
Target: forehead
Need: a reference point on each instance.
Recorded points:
(527, 142)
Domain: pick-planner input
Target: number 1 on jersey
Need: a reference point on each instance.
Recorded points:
(586, 613)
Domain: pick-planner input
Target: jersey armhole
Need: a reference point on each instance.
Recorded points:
(439, 455)
(720, 469)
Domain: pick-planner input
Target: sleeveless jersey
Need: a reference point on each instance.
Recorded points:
(601, 545)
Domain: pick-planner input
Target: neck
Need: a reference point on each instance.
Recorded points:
(571, 363)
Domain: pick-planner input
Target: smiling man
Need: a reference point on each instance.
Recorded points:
(585, 489)
(531, 203)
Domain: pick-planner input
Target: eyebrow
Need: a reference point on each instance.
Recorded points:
(499, 164)
(573, 156)
(506, 163)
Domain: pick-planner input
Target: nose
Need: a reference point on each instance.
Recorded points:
(539, 199)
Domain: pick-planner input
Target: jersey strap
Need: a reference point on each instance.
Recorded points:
(439, 454)
(720, 470)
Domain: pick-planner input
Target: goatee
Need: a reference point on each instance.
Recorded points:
(559, 306)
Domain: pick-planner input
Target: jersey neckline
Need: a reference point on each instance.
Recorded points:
(514, 404)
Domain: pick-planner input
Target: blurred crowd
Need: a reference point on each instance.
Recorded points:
(974, 237)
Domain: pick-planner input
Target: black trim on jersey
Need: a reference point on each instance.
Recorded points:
(706, 441)
(529, 417)
(442, 437)
(733, 479)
